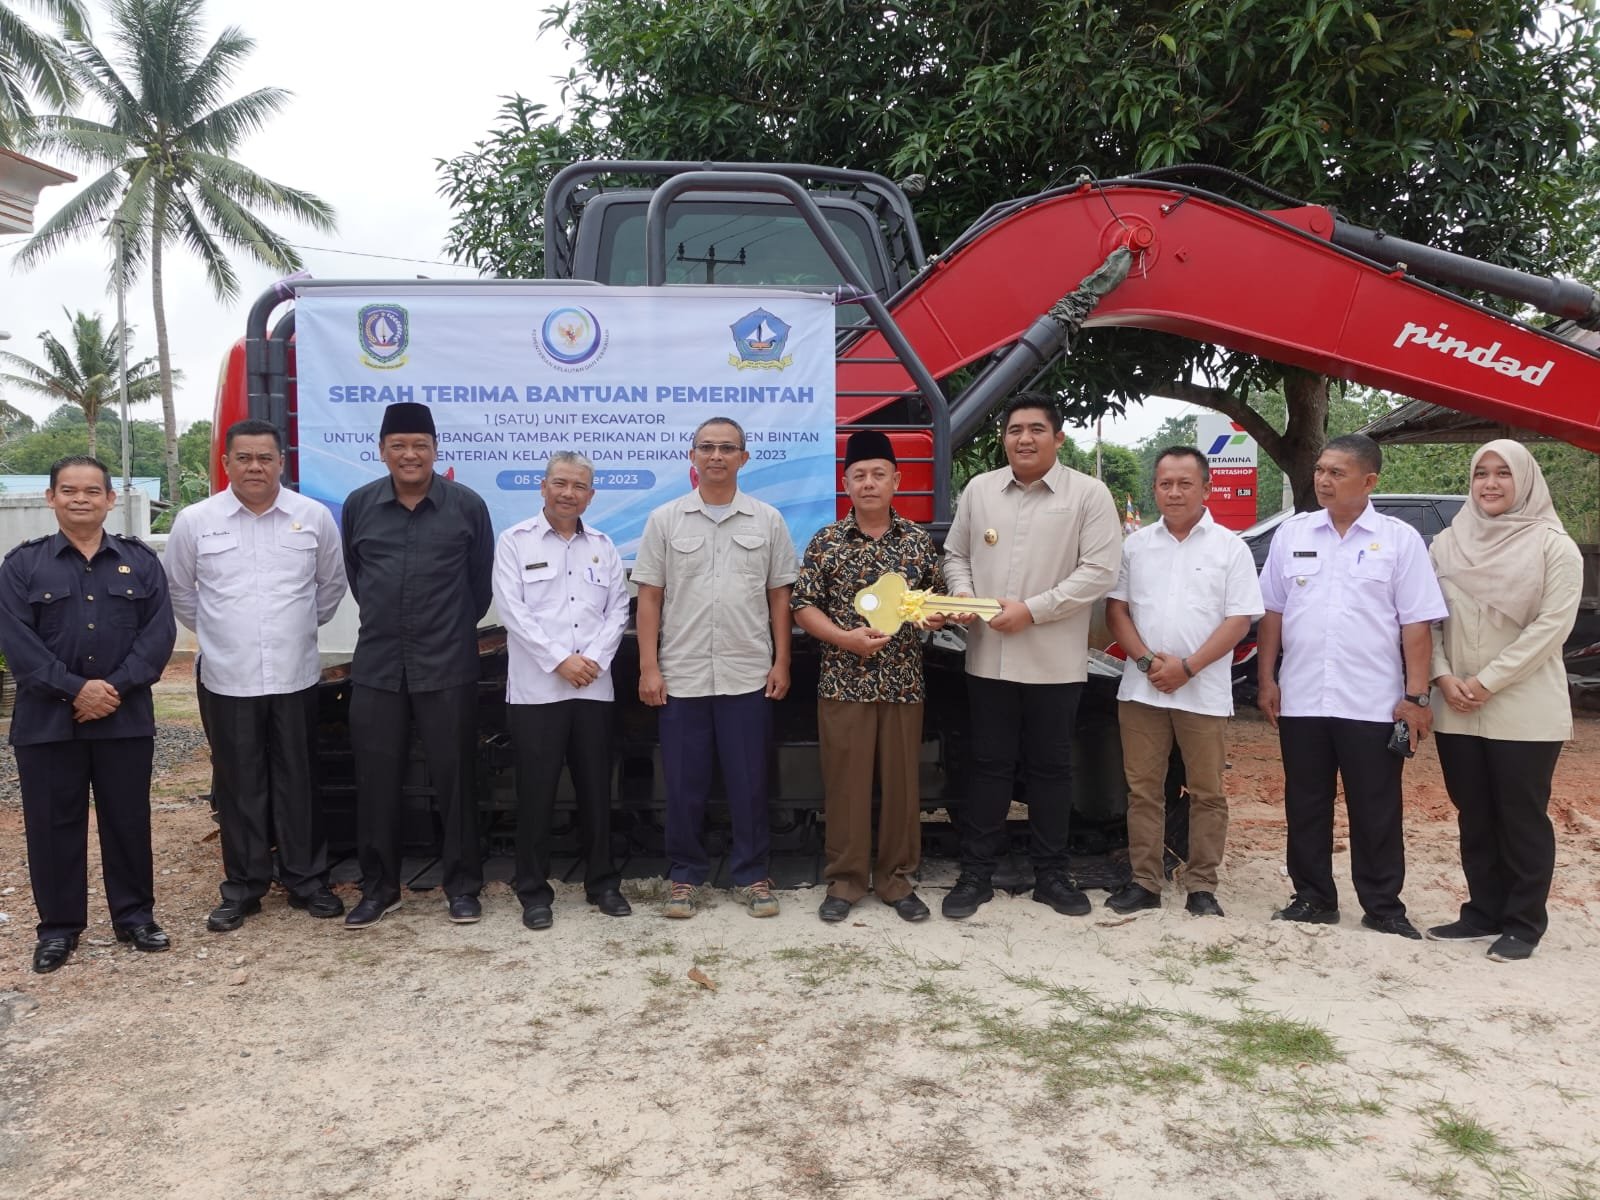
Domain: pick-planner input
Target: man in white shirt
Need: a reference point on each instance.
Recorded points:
(254, 571)
(1351, 598)
(1186, 594)
(559, 587)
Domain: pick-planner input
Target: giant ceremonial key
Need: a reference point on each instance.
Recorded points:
(890, 603)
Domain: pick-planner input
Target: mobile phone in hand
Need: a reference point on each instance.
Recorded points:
(1400, 740)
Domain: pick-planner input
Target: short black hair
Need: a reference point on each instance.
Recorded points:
(718, 421)
(1185, 452)
(254, 428)
(1360, 447)
(78, 460)
(1031, 400)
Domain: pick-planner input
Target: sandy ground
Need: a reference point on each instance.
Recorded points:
(1018, 1054)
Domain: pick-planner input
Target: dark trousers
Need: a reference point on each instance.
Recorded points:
(1501, 791)
(264, 785)
(577, 732)
(380, 737)
(697, 734)
(56, 780)
(1318, 753)
(1026, 724)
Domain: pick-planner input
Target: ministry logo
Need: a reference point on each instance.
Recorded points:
(385, 333)
(759, 339)
(571, 339)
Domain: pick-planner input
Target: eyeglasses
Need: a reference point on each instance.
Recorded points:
(718, 448)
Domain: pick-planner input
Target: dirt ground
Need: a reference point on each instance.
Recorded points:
(1018, 1054)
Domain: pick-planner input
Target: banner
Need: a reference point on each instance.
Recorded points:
(1232, 453)
(515, 372)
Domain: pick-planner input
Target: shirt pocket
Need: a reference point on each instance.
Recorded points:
(690, 556)
(297, 549)
(48, 604)
(124, 601)
(1301, 577)
(1207, 587)
(748, 555)
(1373, 570)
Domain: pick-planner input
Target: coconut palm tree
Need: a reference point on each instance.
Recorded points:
(33, 64)
(171, 180)
(82, 371)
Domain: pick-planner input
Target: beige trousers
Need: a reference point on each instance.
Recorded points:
(854, 737)
(1147, 736)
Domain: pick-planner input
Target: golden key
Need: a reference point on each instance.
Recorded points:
(891, 602)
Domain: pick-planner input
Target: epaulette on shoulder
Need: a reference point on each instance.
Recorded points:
(44, 537)
(134, 539)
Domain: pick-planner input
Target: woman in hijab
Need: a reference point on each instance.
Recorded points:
(1512, 579)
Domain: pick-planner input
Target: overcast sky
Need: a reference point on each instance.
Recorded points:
(380, 92)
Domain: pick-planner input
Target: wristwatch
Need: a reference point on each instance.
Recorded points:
(1144, 663)
(1421, 700)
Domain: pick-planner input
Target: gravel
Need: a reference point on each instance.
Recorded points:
(176, 746)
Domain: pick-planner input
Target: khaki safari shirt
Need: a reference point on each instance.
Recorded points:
(716, 631)
(839, 562)
(1054, 544)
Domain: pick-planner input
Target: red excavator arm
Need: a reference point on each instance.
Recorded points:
(1267, 283)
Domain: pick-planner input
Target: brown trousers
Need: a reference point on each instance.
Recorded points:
(854, 737)
(1147, 736)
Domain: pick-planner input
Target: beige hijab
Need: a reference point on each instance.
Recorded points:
(1499, 561)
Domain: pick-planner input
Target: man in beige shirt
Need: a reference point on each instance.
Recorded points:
(1047, 542)
(714, 572)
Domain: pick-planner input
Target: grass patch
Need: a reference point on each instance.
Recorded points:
(656, 977)
(817, 965)
(1443, 1184)
(1451, 1056)
(1257, 1040)
(1464, 1134)
(662, 949)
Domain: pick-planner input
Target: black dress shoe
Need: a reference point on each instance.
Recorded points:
(1307, 912)
(1461, 931)
(1202, 904)
(322, 904)
(834, 909)
(1398, 926)
(369, 911)
(50, 953)
(910, 907)
(1059, 893)
(1132, 897)
(465, 909)
(230, 914)
(611, 902)
(150, 938)
(537, 916)
(963, 900)
(1506, 948)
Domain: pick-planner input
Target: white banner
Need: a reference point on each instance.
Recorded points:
(1224, 442)
(622, 375)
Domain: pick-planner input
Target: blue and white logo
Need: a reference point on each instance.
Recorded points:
(759, 339)
(570, 338)
(385, 334)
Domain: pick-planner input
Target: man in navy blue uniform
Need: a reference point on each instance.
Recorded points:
(86, 628)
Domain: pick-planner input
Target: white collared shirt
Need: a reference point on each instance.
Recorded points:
(255, 588)
(1177, 594)
(558, 597)
(1343, 602)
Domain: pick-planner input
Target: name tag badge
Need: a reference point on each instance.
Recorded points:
(1305, 553)
(538, 566)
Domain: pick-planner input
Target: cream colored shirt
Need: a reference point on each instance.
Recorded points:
(1521, 667)
(1056, 546)
(716, 628)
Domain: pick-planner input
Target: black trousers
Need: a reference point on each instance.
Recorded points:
(264, 784)
(1318, 752)
(577, 733)
(380, 738)
(1501, 791)
(1026, 724)
(56, 780)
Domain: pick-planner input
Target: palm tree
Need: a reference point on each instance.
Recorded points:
(171, 180)
(33, 64)
(83, 373)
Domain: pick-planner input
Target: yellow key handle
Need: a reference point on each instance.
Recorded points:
(891, 602)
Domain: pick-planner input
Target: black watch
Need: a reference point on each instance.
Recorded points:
(1144, 663)
(1421, 700)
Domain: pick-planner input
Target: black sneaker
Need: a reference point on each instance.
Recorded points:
(1203, 904)
(963, 900)
(230, 914)
(1460, 931)
(1132, 897)
(1307, 912)
(369, 912)
(1061, 894)
(322, 904)
(1508, 948)
(1398, 926)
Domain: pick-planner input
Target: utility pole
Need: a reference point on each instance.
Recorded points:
(122, 378)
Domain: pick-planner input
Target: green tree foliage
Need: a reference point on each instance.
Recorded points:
(167, 147)
(1468, 128)
(83, 370)
(33, 64)
(65, 431)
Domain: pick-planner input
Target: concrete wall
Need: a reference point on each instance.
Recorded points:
(23, 518)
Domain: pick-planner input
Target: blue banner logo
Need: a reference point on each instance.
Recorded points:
(385, 334)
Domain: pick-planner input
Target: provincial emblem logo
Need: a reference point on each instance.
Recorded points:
(759, 339)
(570, 339)
(385, 334)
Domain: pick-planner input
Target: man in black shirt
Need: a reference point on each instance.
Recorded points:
(86, 628)
(419, 554)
